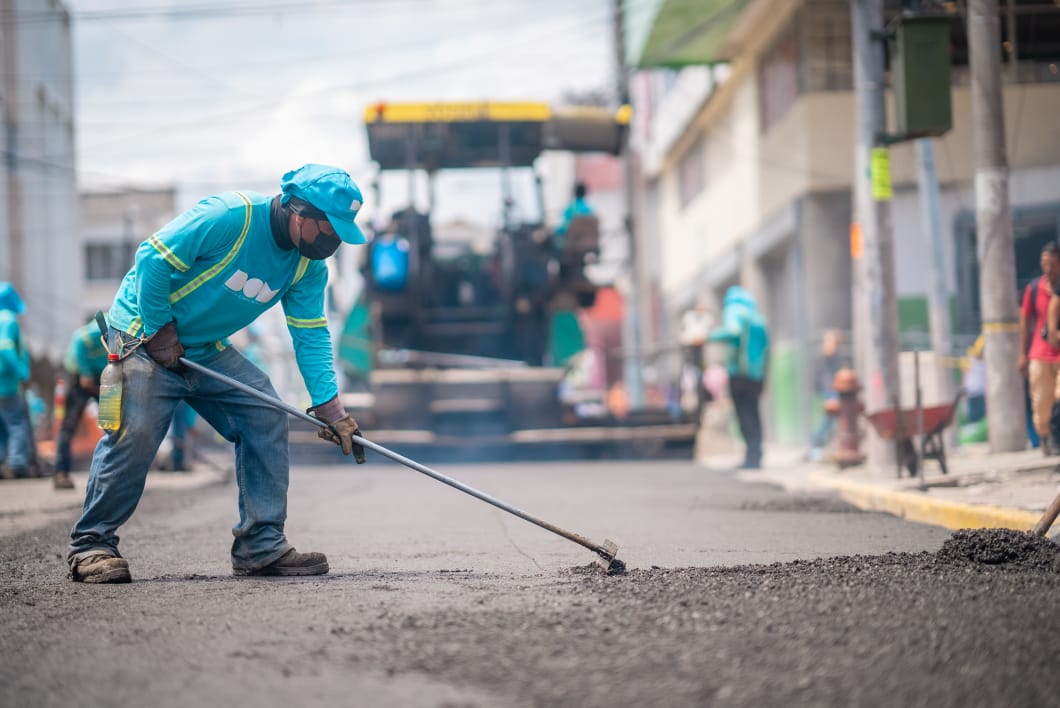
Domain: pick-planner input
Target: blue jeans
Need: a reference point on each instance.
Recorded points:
(15, 434)
(178, 434)
(823, 435)
(77, 399)
(149, 398)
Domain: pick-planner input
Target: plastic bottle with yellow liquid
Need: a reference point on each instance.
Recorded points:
(110, 385)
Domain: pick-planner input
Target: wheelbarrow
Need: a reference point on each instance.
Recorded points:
(903, 428)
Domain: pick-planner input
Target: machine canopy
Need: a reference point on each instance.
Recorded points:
(433, 136)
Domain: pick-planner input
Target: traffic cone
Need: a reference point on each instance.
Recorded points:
(58, 406)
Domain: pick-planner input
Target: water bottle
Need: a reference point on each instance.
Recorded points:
(110, 395)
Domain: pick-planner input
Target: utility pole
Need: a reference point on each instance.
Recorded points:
(938, 293)
(631, 339)
(1013, 43)
(872, 244)
(1006, 422)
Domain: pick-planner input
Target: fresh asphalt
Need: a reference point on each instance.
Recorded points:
(738, 594)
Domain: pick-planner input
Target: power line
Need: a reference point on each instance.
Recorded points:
(474, 60)
(360, 49)
(580, 27)
(183, 66)
(214, 11)
(303, 58)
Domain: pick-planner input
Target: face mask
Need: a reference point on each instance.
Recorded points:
(321, 248)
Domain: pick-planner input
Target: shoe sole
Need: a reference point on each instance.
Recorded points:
(289, 572)
(117, 575)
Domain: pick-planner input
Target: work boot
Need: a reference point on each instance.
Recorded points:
(99, 567)
(62, 480)
(291, 563)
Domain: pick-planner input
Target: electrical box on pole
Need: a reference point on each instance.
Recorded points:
(920, 75)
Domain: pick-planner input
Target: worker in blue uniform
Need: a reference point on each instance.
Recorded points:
(85, 360)
(578, 207)
(204, 276)
(16, 436)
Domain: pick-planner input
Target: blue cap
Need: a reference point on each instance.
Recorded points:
(332, 191)
(9, 299)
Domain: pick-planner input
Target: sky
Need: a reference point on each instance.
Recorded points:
(211, 95)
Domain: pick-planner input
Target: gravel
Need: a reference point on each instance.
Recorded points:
(898, 629)
(972, 623)
(803, 504)
(1003, 547)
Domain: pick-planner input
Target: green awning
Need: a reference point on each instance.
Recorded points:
(681, 32)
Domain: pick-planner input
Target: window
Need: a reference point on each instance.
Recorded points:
(825, 46)
(108, 261)
(778, 79)
(690, 175)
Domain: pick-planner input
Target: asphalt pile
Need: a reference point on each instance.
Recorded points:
(802, 504)
(936, 628)
(1000, 547)
(971, 622)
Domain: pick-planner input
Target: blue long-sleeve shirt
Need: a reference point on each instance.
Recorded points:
(86, 355)
(14, 359)
(215, 269)
(744, 329)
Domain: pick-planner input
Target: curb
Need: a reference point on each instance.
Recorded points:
(914, 506)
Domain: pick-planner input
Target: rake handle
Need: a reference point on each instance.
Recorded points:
(396, 457)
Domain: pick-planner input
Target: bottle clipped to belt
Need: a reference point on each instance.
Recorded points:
(110, 395)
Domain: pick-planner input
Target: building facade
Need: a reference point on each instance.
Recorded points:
(752, 174)
(113, 225)
(39, 250)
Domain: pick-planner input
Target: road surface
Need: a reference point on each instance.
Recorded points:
(738, 594)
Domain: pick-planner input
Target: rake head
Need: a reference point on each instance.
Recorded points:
(606, 559)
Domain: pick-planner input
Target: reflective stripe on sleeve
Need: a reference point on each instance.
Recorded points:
(166, 253)
(307, 324)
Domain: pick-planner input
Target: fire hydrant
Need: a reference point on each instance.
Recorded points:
(847, 409)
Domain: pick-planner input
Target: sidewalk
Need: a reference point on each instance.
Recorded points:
(1007, 490)
(26, 504)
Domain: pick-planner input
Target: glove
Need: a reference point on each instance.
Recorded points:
(164, 347)
(341, 428)
(342, 431)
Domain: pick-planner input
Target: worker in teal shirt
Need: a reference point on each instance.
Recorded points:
(207, 274)
(16, 435)
(578, 207)
(85, 360)
(743, 328)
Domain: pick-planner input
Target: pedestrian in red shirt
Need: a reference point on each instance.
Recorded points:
(1040, 360)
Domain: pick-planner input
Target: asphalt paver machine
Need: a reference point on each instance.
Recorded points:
(463, 342)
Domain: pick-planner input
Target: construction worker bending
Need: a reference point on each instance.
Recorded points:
(207, 274)
(85, 359)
